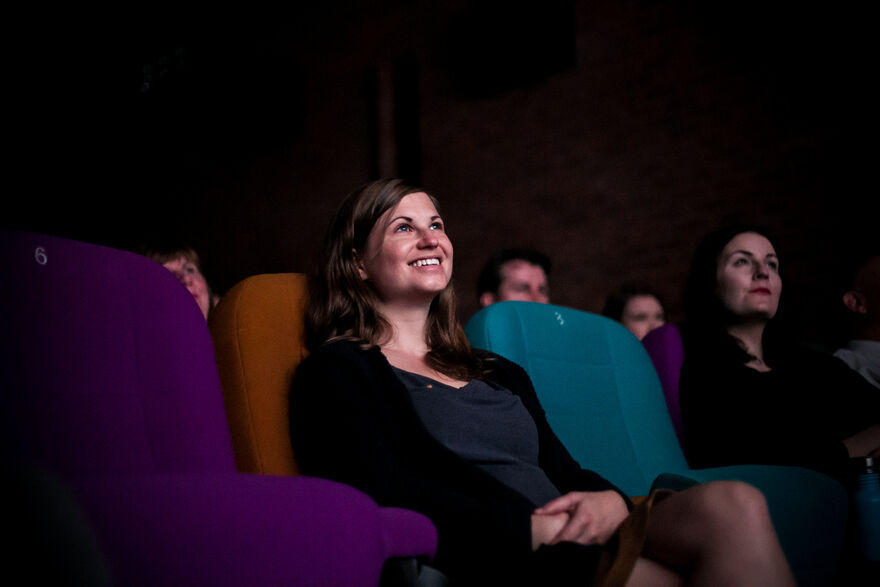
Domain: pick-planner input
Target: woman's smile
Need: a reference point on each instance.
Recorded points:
(408, 255)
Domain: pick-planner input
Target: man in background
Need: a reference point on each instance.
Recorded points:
(862, 299)
(515, 275)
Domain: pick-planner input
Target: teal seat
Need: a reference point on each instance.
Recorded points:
(604, 400)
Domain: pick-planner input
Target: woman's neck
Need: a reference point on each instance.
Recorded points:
(408, 329)
(751, 336)
(407, 346)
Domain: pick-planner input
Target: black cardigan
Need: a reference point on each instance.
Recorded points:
(353, 421)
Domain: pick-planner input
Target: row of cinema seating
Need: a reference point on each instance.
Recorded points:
(604, 400)
(596, 383)
(115, 390)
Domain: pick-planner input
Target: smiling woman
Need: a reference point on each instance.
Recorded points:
(748, 394)
(408, 256)
(393, 400)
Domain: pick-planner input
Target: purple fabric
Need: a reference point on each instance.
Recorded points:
(111, 383)
(240, 529)
(115, 358)
(665, 348)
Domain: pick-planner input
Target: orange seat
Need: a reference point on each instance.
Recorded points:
(258, 334)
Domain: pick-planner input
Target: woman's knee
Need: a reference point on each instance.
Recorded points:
(706, 515)
(735, 504)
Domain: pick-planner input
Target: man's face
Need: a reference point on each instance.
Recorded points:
(520, 281)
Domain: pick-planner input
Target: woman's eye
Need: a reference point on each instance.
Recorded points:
(739, 262)
(437, 226)
(402, 228)
(773, 265)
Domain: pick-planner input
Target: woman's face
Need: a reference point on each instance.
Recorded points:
(189, 275)
(748, 282)
(408, 257)
(642, 314)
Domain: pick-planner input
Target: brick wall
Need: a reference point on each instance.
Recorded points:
(663, 121)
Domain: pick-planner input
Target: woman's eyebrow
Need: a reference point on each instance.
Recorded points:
(391, 221)
(750, 254)
(408, 219)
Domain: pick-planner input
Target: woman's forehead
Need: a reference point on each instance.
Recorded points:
(751, 242)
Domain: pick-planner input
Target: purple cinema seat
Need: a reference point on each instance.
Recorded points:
(110, 386)
(665, 348)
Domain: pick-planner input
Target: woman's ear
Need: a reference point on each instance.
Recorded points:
(359, 264)
(855, 301)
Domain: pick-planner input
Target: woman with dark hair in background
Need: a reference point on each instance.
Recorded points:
(394, 401)
(636, 306)
(749, 394)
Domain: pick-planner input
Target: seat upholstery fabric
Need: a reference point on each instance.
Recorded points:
(604, 400)
(111, 396)
(665, 348)
(258, 336)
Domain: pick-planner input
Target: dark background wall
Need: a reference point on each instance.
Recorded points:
(610, 135)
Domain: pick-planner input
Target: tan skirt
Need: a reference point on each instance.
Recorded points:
(620, 553)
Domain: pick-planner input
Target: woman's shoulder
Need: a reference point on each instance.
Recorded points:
(504, 372)
(339, 347)
(819, 364)
(807, 358)
(339, 352)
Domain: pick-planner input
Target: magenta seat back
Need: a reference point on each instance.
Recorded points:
(665, 348)
(110, 367)
(111, 396)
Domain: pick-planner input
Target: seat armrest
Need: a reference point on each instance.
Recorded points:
(244, 529)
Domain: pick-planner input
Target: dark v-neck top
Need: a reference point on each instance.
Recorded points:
(487, 426)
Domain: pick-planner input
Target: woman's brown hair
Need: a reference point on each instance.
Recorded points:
(342, 304)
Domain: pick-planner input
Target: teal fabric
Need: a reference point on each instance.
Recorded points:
(604, 400)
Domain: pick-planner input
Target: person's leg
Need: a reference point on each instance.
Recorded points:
(716, 534)
(653, 574)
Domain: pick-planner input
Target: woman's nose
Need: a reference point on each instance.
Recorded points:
(761, 270)
(429, 239)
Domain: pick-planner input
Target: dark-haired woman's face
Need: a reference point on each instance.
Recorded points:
(408, 257)
(642, 314)
(748, 282)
